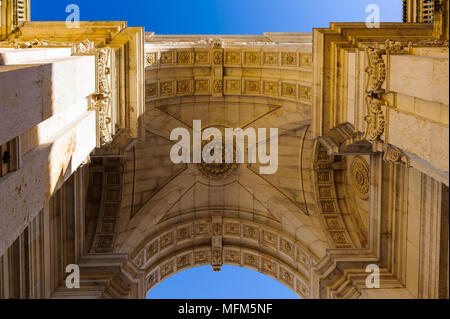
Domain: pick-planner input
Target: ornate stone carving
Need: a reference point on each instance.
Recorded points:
(151, 90)
(325, 191)
(302, 289)
(151, 58)
(287, 277)
(184, 87)
(376, 71)
(167, 269)
(287, 247)
(184, 57)
(218, 86)
(333, 223)
(252, 86)
(328, 207)
(201, 229)
(102, 100)
(217, 229)
(183, 261)
(251, 260)
(166, 88)
(232, 229)
(202, 57)
(252, 58)
(167, 58)
(271, 88)
(233, 86)
(215, 43)
(397, 47)
(269, 239)
(269, 267)
(233, 57)
(339, 238)
(271, 58)
(201, 86)
(152, 279)
(85, 46)
(151, 250)
(305, 93)
(218, 57)
(167, 240)
(201, 257)
(359, 171)
(289, 90)
(375, 118)
(289, 58)
(306, 60)
(232, 256)
(217, 170)
(216, 259)
(391, 153)
(183, 233)
(404, 47)
(251, 232)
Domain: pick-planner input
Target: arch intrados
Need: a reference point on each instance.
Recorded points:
(300, 285)
(178, 246)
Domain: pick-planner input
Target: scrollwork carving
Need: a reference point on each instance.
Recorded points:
(391, 154)
(102, 100)
(376, 71)
(375, 118)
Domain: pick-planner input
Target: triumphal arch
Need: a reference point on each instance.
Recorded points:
(87, 116)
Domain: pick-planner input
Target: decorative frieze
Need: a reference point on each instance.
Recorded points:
(328, 205)
(289, 59)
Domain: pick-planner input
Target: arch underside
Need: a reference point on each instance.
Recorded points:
(171, 217)
(217, 241)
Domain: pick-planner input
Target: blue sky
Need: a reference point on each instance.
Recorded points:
(232, 282)
(219, 17)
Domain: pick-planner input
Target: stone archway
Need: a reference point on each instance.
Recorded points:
(217, 241)
(171, 217)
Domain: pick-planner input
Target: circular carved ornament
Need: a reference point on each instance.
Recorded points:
(217, 170)
(360, 177)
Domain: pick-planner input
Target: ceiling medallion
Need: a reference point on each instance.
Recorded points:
(360, 177)
(217, 170)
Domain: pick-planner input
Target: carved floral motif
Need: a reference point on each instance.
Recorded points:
(360, 176)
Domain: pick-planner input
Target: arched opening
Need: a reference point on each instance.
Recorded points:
(218, 241)
(232, 282)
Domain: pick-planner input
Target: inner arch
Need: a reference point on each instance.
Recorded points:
(232, 282)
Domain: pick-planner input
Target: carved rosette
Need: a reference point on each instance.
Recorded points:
(360, 177)
(217, 170)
